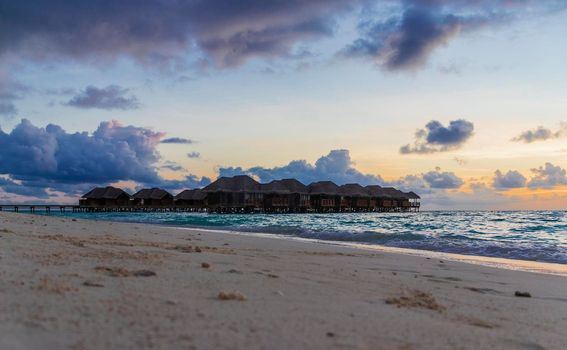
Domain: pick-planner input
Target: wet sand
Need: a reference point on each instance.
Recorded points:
(78, 284)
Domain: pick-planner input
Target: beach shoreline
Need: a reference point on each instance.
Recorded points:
(85, 284)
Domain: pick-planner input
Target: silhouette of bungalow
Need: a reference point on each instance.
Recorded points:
(234, 193)
(105, 197)
(244, 194)
(324, 196)
(377, 196)
(285, 195)
(354, 197)
(195, 199)
(396, 200)
(153, 198)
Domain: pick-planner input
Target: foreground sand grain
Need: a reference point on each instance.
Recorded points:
(95, 285)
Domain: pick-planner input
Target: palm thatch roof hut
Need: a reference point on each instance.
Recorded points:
(153, 197)
(324, 196)
(194, 198)
(228, 193)
(289, 194)
(105, 197)
(354, 197)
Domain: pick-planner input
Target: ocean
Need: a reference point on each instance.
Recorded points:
(525, 235)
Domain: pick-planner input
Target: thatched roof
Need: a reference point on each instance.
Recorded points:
(240, 183)
(394, 193)
(151, 193)
(376, 191)
(284, 186)
(323, 187)
(353, 190)
(108, 192)
(188, 195)
(413, 195)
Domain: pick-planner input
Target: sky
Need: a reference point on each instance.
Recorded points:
(460, 101)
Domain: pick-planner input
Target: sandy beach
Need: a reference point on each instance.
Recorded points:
(78, 284)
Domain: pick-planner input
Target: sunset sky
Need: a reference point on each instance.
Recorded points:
(463, 102)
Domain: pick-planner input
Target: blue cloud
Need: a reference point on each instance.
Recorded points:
(438, 138)
(442, 180)
(51, 158)
(548, 176)
(541, 134)
(512, 179)
(336, 166)
(110, 97)
(177, 140)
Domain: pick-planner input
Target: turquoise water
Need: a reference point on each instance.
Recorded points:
(527, 235)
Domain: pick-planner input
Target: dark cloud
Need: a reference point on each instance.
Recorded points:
(336, 166)
(169, 165)
(163, 31)
(512, 179)
(50, 158)
(177, 140)
(438, 138)
(8, 109)
(405, 41)
(194, 155)
(541, 134)
(110, 97)
(442, 180)
(9, 186)
(401, 34)
(10, 90)
(548, 176)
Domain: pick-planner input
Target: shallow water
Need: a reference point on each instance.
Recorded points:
(526, 235)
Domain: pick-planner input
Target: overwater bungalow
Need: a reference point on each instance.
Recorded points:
(234, 194)
(193, 199)
(354, 198)
(377, 197)
(287, 195)
(324, 196)
(105, 197)
(152, 198)
(243, 194)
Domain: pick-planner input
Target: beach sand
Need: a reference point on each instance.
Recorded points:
(80, 284)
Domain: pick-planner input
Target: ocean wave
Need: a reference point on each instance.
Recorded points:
(537, 236)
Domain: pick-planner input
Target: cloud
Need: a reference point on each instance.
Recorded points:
(8, 109)
(180, 34)
(50, 158)
(177, 140)
(405, 42)
(162, 32)
(512, 179)
(548, 176)
(110, 97)
(194, 155)
(169, 165)
(541, 134)
(442, 180)
(336, 166)
(10, 90)
(9, 186)
(438, 138)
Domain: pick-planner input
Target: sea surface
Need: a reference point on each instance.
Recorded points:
(526, 235)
